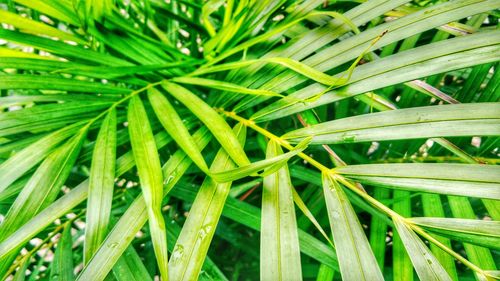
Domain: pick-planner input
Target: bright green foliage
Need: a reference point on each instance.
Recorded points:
(238, 140)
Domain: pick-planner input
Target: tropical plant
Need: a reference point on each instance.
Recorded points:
(353, 140)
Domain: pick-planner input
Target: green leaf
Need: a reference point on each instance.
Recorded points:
(419, 122)
(175, 127)
(21, 162)
(249, 216)
(223, 86)
(401, 263)
(480, 232)
(54, 8)
(279, 244)
(46, 117)
(419, 62)
(309, 215)
(35, 27)
(461, 207)
(136, 215)
(271, 164)
(426, 265)
(214, 122)
(41, 190)
(61, 48)
(43, 64)
(433, 207)
(325, 273)
(21, 271)
(378, 230)
(101, 183)
(43, 187)
(294, 65)
(197, 232)
(62, 266)
(45, 82)
(130, 267)
(151, 179)
(356, 258)
(472, 180)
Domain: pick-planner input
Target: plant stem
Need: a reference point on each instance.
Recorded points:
(331, 172)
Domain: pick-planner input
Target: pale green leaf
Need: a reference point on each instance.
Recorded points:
(294, 65)
(471, 180)
(21, 162)
(43, 187)
(356, 258)
(419, 122)
(426, 265)
(35, 27)
(279, 244)
(151, 178)
(419, 62)
(136, 216)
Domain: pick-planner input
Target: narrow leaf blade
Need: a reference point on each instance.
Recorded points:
(279, 244)
(356, 258)
(151, 178)
(101, 183)
(426, 265)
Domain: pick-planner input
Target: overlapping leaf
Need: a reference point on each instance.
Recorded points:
(481, 181)
(418, 122)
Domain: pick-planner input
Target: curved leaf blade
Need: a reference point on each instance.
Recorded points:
(21, 162)
(150, 176)
(214, 122)
(172, 122)
(224, 86)
(101, 183)
(269, 165)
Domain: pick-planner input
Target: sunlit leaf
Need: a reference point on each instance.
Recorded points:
(151, 178)
(279, 244)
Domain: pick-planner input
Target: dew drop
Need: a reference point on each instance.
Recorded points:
(348, 138)
(177, 254)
